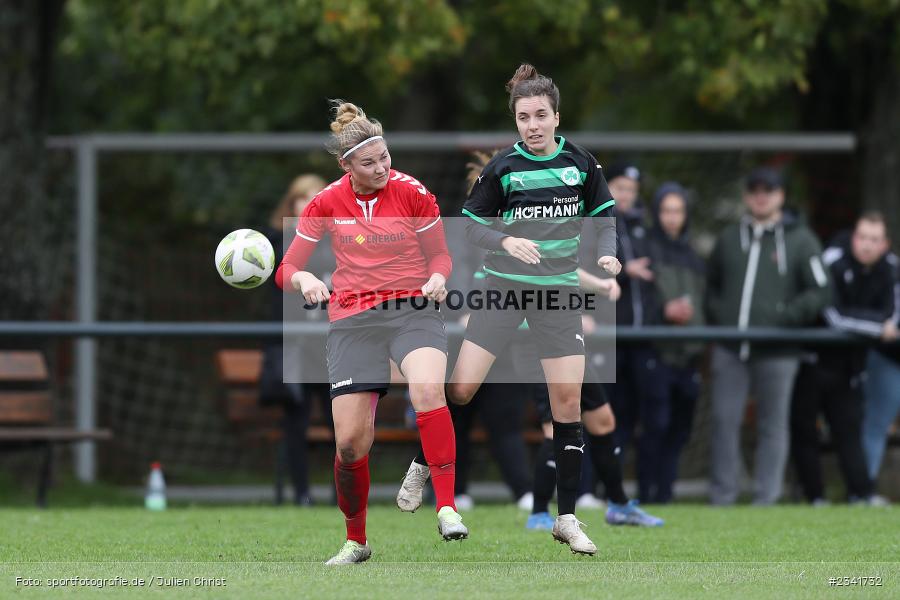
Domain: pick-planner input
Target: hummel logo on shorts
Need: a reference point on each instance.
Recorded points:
(339, 384)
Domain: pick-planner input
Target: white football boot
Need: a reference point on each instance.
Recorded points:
(450, 524)
(567, 530)
(409, 498)
(351, 553)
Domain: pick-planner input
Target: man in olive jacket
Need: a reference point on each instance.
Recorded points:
(765, 271)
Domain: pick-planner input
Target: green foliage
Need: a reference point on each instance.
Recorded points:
(262, 66)
(735, 54)
(243, 64)
(246, 65)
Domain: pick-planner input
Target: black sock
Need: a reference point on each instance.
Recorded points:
(607, 466)
(544, 477)
(420, 458)
(568, 448)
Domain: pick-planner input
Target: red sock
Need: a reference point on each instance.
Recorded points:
(439, 447)
(352, 483)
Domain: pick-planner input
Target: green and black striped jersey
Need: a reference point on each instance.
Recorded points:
(544, 199)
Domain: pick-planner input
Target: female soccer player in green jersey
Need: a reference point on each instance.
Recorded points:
(527, 209)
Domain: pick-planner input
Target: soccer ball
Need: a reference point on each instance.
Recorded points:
(245, 259)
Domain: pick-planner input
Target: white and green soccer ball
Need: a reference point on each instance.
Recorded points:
(245, 259)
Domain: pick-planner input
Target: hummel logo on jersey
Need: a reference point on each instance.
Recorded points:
(579, 338)
(341, 384)
(574, 448)
(398, 176)
(345, 221)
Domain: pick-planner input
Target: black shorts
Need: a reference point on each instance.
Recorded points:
(358, 347)
(593, 396)
(556, 332)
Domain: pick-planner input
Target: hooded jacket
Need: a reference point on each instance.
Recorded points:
(766, 276)
(678, 272)
(638, 305)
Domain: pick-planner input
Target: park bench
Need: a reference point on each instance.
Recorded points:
(27, 415)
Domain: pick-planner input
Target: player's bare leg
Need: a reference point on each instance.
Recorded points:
(424, 369)
(470, 371)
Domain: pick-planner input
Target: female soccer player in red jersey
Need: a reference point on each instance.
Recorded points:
(388, 241)
(527, 209)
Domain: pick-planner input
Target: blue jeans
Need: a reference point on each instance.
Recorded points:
(882, 391)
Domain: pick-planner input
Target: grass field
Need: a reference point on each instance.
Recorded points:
(782, 552)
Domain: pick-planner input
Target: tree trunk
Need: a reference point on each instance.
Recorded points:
(27, 39)
(879, 149)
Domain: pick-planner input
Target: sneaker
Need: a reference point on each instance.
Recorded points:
(589, 502)
(526, 502)
(630, 514)
(873, 500)
(877, 501)
(409, 498)
(450, 524)
(352, 552)
(567, 530)
(464, 502)
(540, 522)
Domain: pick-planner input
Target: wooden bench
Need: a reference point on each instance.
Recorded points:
(240, 371)
(27, 417)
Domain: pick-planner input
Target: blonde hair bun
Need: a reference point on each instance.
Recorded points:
(345, 113)
(350, 127)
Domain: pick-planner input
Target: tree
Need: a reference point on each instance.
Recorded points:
(243, 65)
(27, 40)
(430, 64)
(709, 64)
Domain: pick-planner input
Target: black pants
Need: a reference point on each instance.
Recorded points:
(501, 406)
(640, 400)
(837, 394)
(683, 386)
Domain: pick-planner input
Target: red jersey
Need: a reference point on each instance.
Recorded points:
(386, 244)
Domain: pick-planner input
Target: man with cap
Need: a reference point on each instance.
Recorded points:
(764, 271)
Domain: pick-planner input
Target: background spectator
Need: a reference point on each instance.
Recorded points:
(294, 397)
(680, 280)
(764, 271)
(637, 395)
(830, 379)
(882, 388)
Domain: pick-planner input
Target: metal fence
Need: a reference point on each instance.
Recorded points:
(89, 150)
